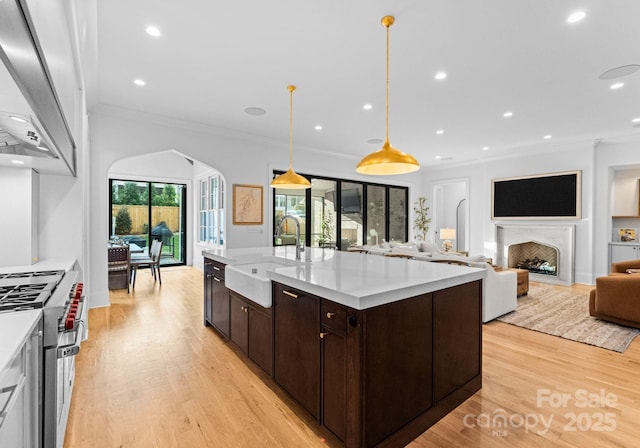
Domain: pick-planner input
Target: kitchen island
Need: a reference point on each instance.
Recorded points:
(376, 349)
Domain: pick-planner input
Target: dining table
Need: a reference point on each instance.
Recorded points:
(135, 249)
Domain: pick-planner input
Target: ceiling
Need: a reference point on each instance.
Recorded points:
(214, 59)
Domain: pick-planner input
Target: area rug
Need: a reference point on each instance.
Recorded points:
(566, 314)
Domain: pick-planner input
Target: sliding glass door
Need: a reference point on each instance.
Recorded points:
(144, 211)
(341, 213)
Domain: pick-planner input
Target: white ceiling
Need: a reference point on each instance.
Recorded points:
(214, 59)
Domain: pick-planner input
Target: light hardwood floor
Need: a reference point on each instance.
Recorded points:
(151, 375)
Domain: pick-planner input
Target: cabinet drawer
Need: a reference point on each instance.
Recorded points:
(333, 316)
(214, 267)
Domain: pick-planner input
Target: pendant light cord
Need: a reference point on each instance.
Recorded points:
(387, 97)
(291, 89)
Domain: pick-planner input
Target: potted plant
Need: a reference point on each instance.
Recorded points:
(422, 220)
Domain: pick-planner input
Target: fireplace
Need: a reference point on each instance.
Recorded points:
(537, 258)
(546, 251)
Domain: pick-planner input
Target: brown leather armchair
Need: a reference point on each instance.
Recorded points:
(617, 296)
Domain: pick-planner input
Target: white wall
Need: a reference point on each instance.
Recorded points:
(19, 213)
(482, 228)
(625, 192)
(240, 158)
(61, 217)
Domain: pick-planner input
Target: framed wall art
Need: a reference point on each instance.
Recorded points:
(247, 204)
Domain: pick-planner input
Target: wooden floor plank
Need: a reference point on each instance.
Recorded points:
(151, 375)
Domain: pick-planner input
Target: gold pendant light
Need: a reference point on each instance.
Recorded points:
(290, 180)
(388, 160)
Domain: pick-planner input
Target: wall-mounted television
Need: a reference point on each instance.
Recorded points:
(351, 201)
(553, 196)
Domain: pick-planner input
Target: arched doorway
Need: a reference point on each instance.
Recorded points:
(163, 195)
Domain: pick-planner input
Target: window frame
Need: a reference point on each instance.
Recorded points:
(211, 216)
(339, 182)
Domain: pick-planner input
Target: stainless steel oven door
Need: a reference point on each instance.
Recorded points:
(59, 379)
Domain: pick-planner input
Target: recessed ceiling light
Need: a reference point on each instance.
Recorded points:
(576, 16)
(440, 132)
(18, 119)
(18, 162)
(485, 148)
(256, 111)
(507, 114)
(440, 76)
(367, 106)
(375, 141)
(619, 72)
(153, 31)
(616, 85)
(318, 127)
(139, 82)
(43, 148)
(547, 137)
(636, 120)
(438, 157)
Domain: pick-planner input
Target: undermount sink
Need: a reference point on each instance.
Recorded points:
(251, 280)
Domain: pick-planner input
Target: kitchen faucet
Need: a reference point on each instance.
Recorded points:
(299, 245)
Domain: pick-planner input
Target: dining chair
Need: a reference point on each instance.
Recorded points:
(152, 262)
(119, 262)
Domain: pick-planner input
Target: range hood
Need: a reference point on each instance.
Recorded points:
(44, 125)
(20, 135)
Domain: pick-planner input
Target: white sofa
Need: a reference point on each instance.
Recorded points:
(500, 289)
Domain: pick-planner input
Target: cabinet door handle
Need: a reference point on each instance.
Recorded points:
(290, 294)
(330, 315)
(245, 309)
(323, 334)
(216, 268)
(217, 279)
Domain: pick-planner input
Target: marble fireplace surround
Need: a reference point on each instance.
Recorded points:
(560, 237)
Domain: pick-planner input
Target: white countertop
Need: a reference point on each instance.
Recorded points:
(15, 328)
(53, 264)
(356, 280)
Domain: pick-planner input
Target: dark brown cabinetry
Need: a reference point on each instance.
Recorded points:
(383, 375)
(216, 297)
(374, 377)
(333, 409)
(297, 345)
(251, 329)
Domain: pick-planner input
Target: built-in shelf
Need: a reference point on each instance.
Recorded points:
(623, 217)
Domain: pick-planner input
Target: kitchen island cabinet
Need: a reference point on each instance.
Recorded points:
(375, 349)
(383, 375)
(216, 297)
(297, 345)
(251, 329)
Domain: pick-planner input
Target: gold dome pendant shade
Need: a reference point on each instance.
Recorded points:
(388, 160)
(290, 180)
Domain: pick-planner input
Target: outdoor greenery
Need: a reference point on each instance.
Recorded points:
(123, 222)
(422, 220)
(133, 194)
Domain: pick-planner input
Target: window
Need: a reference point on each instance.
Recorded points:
(142, 211)
(211, 224)
(341, 213)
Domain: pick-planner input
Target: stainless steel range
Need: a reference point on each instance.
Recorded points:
(62, 302)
